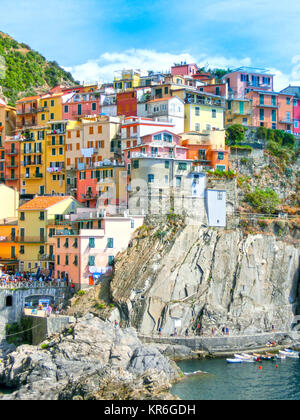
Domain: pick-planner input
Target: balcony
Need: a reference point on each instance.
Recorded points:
(12, 165)
(10, 238)
(45, 257)
(32, 163)
(274, 106)
(27, 111)
(89, 196)
(70, 232)
(33, 176)
(12, 153)
(286, 121)
(56, 132)
(55, 144)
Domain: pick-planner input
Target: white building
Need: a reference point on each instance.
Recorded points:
(167, 110)
(216, 207)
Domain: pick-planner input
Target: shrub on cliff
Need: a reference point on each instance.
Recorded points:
(263, 201)
(235, 134)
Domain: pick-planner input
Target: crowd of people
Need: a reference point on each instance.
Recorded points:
(31, 279)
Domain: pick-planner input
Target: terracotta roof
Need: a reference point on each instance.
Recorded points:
(40, 203)
(30, 98)
(2, 102)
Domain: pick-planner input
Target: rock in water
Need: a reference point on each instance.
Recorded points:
(92, 360)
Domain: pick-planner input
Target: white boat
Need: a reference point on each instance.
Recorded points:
(290, 354)
(234, 361)
(243, 356)
(280, 356)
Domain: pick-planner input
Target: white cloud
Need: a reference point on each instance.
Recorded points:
(103, 68)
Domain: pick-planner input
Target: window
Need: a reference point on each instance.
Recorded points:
(110, 242)
(67, 260)
(111, 260)
(22, 216)
(132, 223)
(58, 259)
(91, 261)
(150, 178)
(75, 260)
(296, 124)
(157, 137)
(220, 195)
(51, 116)
(261, 99)
(178, 181)
(99, 129)
(66, 109)
(261, 114)
(58, 242)
(182, 166)
(22, 249)
(42, 215)
(220, 155)
(273, 100)
(288, 101)
(197, 110)
(168, 137)
(273, 115)
(221, 168)
(166, 90)
(273, 126)
(91, 130)
(53, 152)
(135, 164)
(197, 127)
(167, 164)
(42, 250)
(94, 106)
(43, 117)
(52, 102)
(91, 242)
(66, 245)
(214, 113)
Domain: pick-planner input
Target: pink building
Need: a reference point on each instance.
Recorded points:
(87, 252)
(244, 79)
(184, 69)
(295, 92)
(162, 144)
(77, 105)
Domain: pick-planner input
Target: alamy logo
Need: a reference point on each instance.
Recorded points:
(2, 67)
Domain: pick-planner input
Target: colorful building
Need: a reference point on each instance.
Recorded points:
(184, 69)
(12, 152)
(27, 109)
(169, 110)
(9, 246)
(238, 111)
(203, 111)
(271, 110)
(78, 105)
(35, 217)
(127, 103)
(242, 80)
(207, 150)
(295, 91)
(9, 199)
(105, 186)
(50, 108)
(86, 252)
(126, 80)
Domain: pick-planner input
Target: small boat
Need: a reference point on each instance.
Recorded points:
(290, 354)
(243, 356)
(280, 356)
(234, 361)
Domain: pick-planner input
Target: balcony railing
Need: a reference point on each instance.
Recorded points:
(89, 196)
(9, 238)
(33, 176)
(12, 153)
(45, 257)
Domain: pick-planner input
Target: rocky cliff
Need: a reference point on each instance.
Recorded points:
(213, 277)
(91, 360)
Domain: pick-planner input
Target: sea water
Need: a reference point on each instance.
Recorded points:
(222, 381)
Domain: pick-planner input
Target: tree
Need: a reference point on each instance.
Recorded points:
(263, 201)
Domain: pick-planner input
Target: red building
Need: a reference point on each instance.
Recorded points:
(184, 69)
(127, 104)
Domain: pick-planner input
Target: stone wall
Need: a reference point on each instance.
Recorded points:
(13, 313)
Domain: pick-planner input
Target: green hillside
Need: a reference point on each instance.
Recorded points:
(24, 72)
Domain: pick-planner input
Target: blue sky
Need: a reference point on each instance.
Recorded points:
(92, 38)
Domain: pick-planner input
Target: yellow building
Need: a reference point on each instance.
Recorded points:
(127, 80)
(36, 218)
(203, 112)
(238, 111)
(49, 108)
(7, 120)
(33, 160)
(9, 246)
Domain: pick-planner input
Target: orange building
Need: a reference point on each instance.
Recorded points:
(9, 246)
(27, 109)
(207, 149)
(272, 110)
(12, 153)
